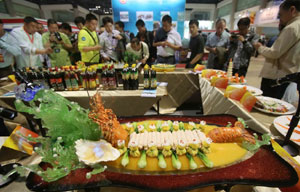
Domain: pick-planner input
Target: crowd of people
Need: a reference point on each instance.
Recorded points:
(30, 46)
(59, 46)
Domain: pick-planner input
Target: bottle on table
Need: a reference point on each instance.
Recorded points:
(112, 82)
(52, 77)
(68, 80)
(146, 77)
(98, 74)
(59, 79)
(104, 78)
(74, 79)
(41, 77)
(84, 78)
(29, 74)
(125, 77)
(134, 77)
(46, 77)
(80, 79)
(34, 77)
(91, 78)
(130, 78)
(62, 74)
(153, 79)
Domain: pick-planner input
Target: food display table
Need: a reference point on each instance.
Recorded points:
(122, 102)
(181, 86)
(214, 102)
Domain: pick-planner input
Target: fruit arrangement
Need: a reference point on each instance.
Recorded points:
(199, 68)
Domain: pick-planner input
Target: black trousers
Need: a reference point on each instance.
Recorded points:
(275, 92)
(242, 71)
(166, 60)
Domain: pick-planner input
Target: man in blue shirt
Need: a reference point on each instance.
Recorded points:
(216, 42)
(8, 50)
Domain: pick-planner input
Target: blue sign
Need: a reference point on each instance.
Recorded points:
(151, 11)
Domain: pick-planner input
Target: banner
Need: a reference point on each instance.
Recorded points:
(266, 16)
(150, 11)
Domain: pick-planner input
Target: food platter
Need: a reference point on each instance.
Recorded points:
(263, 168)
(164, 67)
(253, 90)
(273, 106)
(282, 125)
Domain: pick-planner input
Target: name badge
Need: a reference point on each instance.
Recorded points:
(189, 55)
(57, 50)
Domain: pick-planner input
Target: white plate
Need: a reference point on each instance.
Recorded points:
(282, 124)
(254, 91)
(290, 107)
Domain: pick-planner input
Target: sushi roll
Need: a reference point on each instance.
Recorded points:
(167, 144)
(152, 150)
(133, 146)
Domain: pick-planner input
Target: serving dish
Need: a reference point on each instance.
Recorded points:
(264, 168)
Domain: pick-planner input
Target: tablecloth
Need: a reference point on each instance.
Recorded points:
(122, 102)
(181, 86)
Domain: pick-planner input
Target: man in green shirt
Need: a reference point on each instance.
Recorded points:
(60, 44)
(88, 40)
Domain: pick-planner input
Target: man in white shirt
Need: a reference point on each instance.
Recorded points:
(30, 43)
(109, 41)
(167, 40)
(7, 52)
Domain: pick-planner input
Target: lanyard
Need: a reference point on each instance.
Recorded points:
(30, 39)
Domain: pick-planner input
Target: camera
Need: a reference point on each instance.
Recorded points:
(57, 35)
(235, 35)
(74, 38)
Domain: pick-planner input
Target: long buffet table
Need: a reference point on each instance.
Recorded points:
(122, 102)
(213, 100)
(181, 85)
